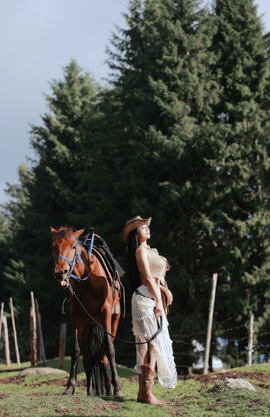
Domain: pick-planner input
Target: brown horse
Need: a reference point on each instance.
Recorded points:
(96, 296)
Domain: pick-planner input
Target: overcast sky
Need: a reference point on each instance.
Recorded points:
(38, 38)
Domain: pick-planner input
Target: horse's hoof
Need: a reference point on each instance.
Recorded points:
(119, 393)
(109, 392)
(69, 391)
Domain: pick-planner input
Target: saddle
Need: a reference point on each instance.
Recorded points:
(111, 267)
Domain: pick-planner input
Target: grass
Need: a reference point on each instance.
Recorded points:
(33, 398)
(123, 371)
(261, 367)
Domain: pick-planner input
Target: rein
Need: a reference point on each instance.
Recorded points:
(159, 326)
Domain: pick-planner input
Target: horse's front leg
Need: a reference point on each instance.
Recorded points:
(74, 362)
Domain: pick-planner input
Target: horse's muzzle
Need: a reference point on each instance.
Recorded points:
(61, 276)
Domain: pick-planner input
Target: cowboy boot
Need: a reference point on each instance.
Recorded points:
(145, 390)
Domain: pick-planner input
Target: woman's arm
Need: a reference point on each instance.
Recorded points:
(168, 294)
(143, 265)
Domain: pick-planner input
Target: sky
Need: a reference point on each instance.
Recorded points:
(37, 39)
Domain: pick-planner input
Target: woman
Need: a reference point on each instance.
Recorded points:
(147, 269)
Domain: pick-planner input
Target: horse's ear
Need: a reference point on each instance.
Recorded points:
(78, 233)
(54, 232)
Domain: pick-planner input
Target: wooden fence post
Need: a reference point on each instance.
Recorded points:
(41, 350)
(250, 341)
(7, 351)
(33, 332)
(62, 345)
(210, 322)
(15, 333)
(1, 316)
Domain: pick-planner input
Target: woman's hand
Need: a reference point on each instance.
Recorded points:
(158, 308)
(169, 297)
(168, 294)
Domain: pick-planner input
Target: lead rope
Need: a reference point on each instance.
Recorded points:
(159, 326)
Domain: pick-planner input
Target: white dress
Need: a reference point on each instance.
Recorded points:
(145, 325)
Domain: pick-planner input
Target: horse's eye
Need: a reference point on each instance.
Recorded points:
(74, 247)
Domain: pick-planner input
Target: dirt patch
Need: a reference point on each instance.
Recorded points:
(12, 380)
(79, 411)
(261, 377)
(108, 404)
(3, 396)
(75, 401)
(17, 380)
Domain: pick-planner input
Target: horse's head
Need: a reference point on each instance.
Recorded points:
(64, 249)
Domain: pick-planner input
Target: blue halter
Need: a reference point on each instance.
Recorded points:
(76, 257)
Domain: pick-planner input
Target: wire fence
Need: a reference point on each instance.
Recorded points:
(228, 346)
(51, 335)
(23, 337)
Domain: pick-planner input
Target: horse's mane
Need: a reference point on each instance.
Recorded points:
(67, 231)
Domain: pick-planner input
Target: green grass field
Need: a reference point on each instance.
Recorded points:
(39, 395)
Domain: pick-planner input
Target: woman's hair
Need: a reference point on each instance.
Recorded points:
(133, 271)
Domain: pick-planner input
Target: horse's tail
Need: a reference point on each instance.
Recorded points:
(95, 339)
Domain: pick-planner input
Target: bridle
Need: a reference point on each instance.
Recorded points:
(77, 257)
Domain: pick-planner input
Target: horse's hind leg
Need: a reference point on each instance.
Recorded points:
(74, 363)
(104, 359)
(104, 364)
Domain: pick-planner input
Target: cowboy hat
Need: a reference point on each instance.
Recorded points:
(132, 224)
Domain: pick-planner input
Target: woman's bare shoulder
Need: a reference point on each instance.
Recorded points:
(141, 252)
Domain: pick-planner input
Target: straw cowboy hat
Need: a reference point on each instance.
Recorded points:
(132, 224)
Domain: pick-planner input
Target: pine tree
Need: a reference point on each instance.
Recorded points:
(12, 267)
(241, 133)
(53, 184)
(167, 94)
(5, 252)
(191, 91)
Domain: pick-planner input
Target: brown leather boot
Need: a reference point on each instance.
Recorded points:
(145, 388)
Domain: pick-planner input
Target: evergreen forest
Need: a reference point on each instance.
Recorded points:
(180, 133)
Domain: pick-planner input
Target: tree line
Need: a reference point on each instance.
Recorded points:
(181, 134)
